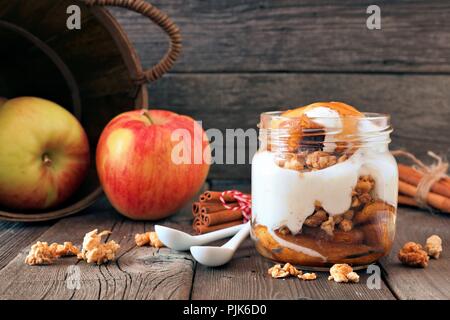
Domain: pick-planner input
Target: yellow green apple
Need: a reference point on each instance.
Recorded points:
(44, 154)
(138, 167)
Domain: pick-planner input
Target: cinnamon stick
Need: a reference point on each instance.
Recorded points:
(220, 217)
(195, 208)
(209, 207)
(201, 229)
(215, 196)
(413, 177)
(197, 222)
(211, 215)
(435, 200)
(409, 201)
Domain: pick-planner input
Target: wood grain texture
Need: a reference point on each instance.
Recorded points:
(432, 282)
(14, 237)
(307, 35)
(137, 273)
(245, 277)
(419, 104)
(147, 273)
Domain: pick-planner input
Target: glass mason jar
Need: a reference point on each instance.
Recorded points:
(326, 194)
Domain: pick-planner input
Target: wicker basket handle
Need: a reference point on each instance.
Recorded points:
(162, 20)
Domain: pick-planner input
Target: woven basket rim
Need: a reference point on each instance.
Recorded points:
(55, 214)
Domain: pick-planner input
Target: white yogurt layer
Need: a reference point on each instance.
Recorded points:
(284, 197)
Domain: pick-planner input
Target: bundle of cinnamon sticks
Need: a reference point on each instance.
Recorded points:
(211, 215)
(438, 197)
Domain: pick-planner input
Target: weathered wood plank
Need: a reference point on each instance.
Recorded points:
(138, 273)
(419, 104)
(245, 277)
(15, 236)
(432, 282)
(20, 281)
(307, 35)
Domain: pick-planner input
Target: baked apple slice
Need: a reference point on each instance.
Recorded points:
(311, 123)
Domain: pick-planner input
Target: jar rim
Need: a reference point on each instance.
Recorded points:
(369, 122)
(365, 116)
(366, 129)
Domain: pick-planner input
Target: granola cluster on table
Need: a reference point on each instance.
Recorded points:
(288, 270)
(43, 253)
(93, 250)
(414, 255)
(338, 273)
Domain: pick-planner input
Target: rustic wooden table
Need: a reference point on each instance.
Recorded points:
(148, 273)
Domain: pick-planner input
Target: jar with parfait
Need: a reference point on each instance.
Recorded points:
(324, 186)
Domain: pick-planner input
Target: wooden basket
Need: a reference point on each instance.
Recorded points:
(94, 72)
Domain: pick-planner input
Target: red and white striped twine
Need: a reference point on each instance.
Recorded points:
(244, 202)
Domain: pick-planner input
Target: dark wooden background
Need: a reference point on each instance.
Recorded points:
(243, 57)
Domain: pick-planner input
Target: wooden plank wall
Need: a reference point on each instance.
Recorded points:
(243, 57)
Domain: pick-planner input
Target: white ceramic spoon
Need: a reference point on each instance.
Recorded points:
(217, 256)
(181, 241)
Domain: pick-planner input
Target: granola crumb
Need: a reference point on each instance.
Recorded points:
(40, 253)
(293, 164)
(343, 273)
(142, 239)
(94, 251)
(64, 250)
(361, 193)
(353, 276)
(346, 225)
(433, 246)
(320, 160)
(284, 231)
(316, 219)
(291, 269)
(154, 240)
(150, 238)
(308, 276)
(328, 226)
(413, 255)
(278, 272)
(365, 184)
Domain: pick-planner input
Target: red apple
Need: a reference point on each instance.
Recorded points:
(138, 166)
(44, 154)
